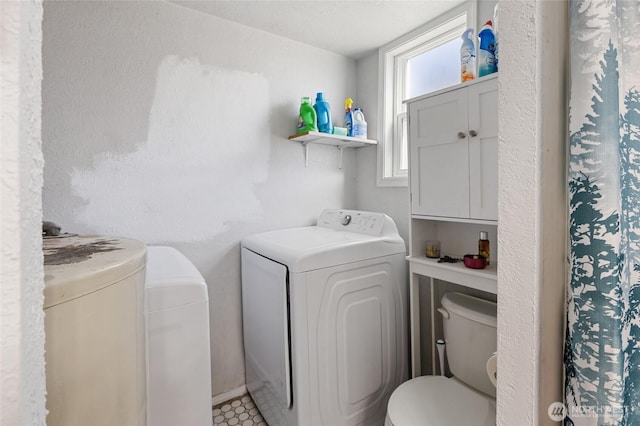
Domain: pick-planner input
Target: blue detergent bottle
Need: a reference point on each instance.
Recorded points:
(323, 112)
(486, 53)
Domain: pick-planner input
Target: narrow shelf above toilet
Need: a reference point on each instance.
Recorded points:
(479, 279)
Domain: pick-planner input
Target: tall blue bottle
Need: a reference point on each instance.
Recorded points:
(323, 112)
(486, 53)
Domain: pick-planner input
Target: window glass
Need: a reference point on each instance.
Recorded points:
(404, 146)
(434, 69)
(422, 61)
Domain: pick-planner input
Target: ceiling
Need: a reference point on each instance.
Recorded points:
(352, 28)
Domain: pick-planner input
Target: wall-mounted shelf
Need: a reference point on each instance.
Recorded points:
(340, 142)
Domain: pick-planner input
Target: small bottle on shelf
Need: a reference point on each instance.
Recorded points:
(467, 57)
(323, 113)
(484, 249)
(348, 116)
(359, 124)
(307, 117)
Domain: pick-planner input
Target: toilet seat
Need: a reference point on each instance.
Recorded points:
(438, 401)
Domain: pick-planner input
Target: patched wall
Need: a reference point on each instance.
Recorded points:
(170, 126)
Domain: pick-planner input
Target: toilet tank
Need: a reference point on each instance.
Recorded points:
(471, 338)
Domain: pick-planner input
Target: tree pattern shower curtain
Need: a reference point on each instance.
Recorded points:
(602, 347)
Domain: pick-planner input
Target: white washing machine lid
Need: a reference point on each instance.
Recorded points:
(329, 243)
(76, 265)
(438, 401)
(171, 280)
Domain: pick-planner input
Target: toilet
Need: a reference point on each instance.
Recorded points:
(177, 341)
(467, 398)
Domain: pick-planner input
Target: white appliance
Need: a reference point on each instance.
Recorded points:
(178, 352)
(325, 320)
(94, 324)
(468, 398)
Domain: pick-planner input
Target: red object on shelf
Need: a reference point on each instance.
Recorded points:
(475, 261)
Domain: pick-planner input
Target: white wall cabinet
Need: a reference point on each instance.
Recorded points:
(453, 146)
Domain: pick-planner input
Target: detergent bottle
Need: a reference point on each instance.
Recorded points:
(486, 53)
(348, 116)
(323, 113)
(307, 117)
(496, 34)
(467, 57)
(359, 124)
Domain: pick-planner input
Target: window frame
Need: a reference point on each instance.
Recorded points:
(392, 61)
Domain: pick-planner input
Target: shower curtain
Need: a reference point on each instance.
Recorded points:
(602, 346)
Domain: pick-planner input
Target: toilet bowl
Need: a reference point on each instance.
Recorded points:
(437, 400)
(468, 398)
(177, 339)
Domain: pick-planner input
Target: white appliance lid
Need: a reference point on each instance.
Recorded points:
(341, 236)
(171, 280)
(436, 400)
(314, 247)
(76, 265)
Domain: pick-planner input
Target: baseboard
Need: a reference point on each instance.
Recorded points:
(226, 396)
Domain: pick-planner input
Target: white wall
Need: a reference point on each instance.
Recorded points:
(532, 209)
(394, 201)
(168, 125)
(22, 374)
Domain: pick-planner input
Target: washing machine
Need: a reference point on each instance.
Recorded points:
(325, 319)
(94, 324)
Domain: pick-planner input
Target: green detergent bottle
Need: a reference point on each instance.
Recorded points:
(307, 119)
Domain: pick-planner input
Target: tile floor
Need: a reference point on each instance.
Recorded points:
(240, 411)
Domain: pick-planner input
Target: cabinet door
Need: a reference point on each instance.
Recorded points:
(439, 158)
(483, 150)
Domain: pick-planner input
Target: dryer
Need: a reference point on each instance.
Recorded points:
(325, 319)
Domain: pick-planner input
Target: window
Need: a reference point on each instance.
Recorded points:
(425, 60)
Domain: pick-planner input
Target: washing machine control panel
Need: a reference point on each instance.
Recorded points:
(368, 223)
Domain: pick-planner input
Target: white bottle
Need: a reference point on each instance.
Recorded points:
(359, 124)
(467, 57)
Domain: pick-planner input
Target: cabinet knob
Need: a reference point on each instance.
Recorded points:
(473, 133)
(462, 135)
